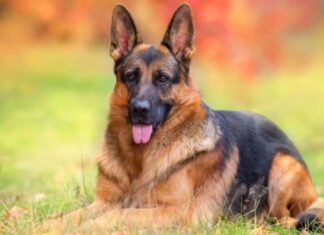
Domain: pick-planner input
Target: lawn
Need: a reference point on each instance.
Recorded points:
(53, 108)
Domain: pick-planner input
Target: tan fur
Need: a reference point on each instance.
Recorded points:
(208, 202)
(192, 192)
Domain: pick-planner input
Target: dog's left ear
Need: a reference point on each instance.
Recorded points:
(124, 35)
(179, 36)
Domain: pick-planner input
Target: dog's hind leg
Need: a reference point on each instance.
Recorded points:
(291, 190)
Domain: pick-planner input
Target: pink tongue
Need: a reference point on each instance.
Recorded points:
(142, 133)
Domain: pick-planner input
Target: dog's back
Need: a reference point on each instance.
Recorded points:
(258, 140)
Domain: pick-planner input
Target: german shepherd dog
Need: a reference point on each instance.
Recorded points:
(167, 158)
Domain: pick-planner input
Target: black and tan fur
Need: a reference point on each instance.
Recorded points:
(199, 164)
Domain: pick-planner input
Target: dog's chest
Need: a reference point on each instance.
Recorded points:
(178, 187)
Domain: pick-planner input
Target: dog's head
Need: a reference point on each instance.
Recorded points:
(151, 74)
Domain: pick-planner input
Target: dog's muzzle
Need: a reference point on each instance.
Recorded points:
(141, 128)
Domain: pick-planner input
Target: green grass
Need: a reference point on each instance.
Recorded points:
(53, 107)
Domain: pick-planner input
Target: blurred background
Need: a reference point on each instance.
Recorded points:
(55, 74)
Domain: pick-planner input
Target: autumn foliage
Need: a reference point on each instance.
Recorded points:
(249, 36)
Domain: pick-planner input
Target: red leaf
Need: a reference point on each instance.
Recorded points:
(15, 212)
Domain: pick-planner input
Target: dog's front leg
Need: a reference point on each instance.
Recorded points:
(75, 218)
(131, 217)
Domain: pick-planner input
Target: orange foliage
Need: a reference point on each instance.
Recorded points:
(246, 35)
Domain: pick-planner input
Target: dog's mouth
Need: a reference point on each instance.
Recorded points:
(143, 128)
(142, 133)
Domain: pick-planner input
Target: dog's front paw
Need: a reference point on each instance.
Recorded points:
(106, 222)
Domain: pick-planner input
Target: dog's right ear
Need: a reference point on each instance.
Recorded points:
(123, 33)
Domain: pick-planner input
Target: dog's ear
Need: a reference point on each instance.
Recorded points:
(124, 36)
(179, 35)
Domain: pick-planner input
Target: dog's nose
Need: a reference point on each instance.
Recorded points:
(140, 107)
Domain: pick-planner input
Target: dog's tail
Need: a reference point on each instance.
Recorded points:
(312, 219)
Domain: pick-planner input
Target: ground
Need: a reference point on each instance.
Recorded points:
(53, 108)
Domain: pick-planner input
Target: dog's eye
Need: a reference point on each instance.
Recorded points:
(132, 76)
(162, 78)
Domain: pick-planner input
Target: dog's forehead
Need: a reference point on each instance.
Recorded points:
(149, 53)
